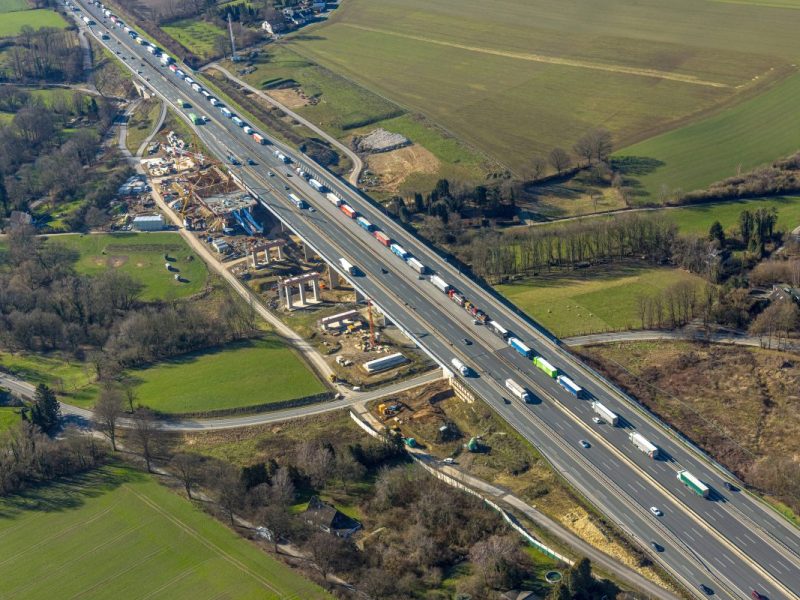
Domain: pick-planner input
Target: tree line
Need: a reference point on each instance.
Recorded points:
(44, 54)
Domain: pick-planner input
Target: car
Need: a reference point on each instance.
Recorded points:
(286, 187)
(656, 546)
(730, 487)
(597, 420)
(756, 596)
(312, 209)
(506, 401)
(449, 460)
(705, 589)
(288, 174)
(467, 341)
(271, 174)
(656, 511)
(384, 271)
(251, 162)
(584, 443)
(476, 322)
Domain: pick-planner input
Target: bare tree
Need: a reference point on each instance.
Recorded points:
(538, 167)
(348, 469)
(278, 521)
(229, 489)
(330, 553)
(317, 461)
(559, 159)
(188, 467)
(145, 431)
(499, 560)
(282, 490)
(107, 411)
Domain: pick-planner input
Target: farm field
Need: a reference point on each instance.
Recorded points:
(698, 219)
(238, 375)
(13, 5)
(195, 35)
(527, 76)
(591, 300)
(745, 136)
(141, 255)
(140, 539)
(11, 23)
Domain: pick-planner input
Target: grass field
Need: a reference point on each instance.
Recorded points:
(142, 256)
(698, 219)
(8, 416)
(745, 136)
(116, 533)
(195, 35)
(591, 300)
(243, 374)
(525, 76)
(51, 370)
(13, 5)
(141, 124)
(11, 23)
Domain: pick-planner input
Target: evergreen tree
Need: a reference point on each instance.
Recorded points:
(717, 232)
(45, 411)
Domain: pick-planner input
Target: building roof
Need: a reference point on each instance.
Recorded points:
(148, 219)
(327, 517)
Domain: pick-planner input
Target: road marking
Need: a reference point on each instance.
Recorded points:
(775, 568)
(688, 535)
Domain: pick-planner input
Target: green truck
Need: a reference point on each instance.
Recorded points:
(545, 366)
(693, 483)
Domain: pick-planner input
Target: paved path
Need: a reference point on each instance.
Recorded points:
(732, 337)
(156, 127)
(358, 165)
(122, 141)
(26, 390)
(554, 528)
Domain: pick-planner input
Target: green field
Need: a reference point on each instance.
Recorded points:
(698, 219)
(141, 255)
(241, 374)
(591, 300)
(743, 137)
(8, 416)
(51, 370)
(13, 5)
(11, 23)
(141, 124)
(526, 75)
(195, 35)
(116, 533)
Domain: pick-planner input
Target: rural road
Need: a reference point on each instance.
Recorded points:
(358, 165)
(25, 389)
(735, 338)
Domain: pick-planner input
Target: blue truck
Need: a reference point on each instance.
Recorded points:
(517, 345)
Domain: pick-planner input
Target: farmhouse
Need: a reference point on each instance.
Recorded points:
(329, 519)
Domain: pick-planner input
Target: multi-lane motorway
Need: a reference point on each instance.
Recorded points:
(729, 543)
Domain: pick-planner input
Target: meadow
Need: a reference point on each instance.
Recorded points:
(525, 76)
(698, 219)
(116, 533)
(739, 138)
(8, 417)
(13, 5)
(141, 255)
(11, 23)
(237, 375)
(195, 35)
(591, 300)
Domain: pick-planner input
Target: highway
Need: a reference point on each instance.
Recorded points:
(730, 542)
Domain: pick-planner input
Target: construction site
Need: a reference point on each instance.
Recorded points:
(361, 346)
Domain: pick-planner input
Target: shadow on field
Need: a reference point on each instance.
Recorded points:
(67, 493)
(636, 165)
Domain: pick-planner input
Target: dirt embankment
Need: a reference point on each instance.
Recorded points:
(742, 405)
(394, 167)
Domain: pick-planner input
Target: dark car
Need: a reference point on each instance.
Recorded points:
(730, 487)
(656, 546)
(384, 271)
(467, 342)
(251, 162)
(705, 589)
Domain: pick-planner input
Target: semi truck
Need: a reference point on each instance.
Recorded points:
(693, 483)
(364, 224)
(317, 185)
(398, 250)
(542, 364)
(347, 266)
(643, 444)
(384, 239)
(440, 283)
(460, 367)
(604, 413)
(569, 385)
(225, 111)
(519, 391)
(334, 199)
(520, 347)
(298, 202)
(281, 156)
(416, 265)
(498, 330)
(348, 210)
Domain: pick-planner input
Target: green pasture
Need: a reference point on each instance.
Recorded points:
(740, 138)
(524, 76)
(62, 375)
(116, 533)
(7, 6)
(195, 35)
(11, 23)
(8, 417)
(698, 219)
(141, 255)
(240, 374)
(591, 300)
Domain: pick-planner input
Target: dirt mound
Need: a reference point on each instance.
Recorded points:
(290, 97)
(394, 167)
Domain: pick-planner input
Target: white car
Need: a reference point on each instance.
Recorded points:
(597, 420)
(448, 461)
(656, 511)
